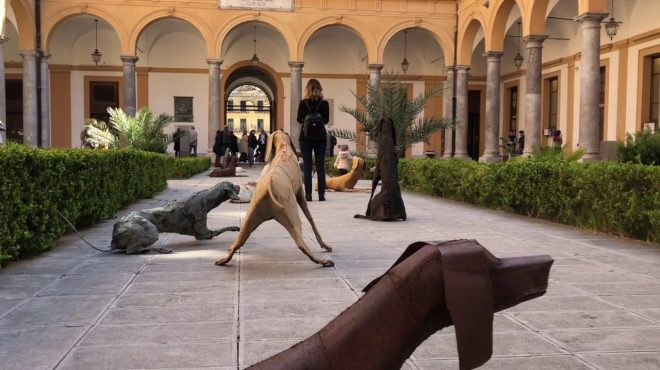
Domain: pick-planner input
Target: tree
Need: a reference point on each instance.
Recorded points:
(391, 100)
(142, 132)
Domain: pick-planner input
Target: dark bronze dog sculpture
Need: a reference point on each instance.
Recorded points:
(387, 205)
(138, 230)
(228, 171)
(431, 286)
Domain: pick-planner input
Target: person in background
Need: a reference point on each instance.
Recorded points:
(217, 147)
(244, 147)
(261, 148)
(520, 144)
(313, 105)
(557, 140)
(177, 142)
(193, 141)
(344, 160)
(252, 147)
(330, 146)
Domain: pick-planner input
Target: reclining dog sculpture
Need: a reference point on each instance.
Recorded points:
(277, 195)
(387, 205)
(229, 170)
(346, 182)
(431, 286)
(138, 230)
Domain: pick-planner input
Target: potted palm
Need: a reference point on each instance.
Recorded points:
(391, 100)
(143, 131)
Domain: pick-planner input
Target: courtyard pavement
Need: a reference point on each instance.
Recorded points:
(76, 308)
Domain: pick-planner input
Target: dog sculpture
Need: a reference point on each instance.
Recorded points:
(387, 205)
(277, 195)
(347, 181)
(431, 286)
(228, 171)
(138, 230)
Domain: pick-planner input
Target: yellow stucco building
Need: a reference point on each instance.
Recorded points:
(570, 74)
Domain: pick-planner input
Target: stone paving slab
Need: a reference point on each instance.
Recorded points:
(76, 308)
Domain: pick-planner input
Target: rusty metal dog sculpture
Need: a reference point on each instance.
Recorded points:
(228, 171)
(277, 195)
(387, 205)
(431, 286)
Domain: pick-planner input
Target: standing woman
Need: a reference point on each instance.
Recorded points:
(313, 140)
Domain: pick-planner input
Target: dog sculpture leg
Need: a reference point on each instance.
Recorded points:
(303, 205)
(253, 218)
(290, 219)
(210, 234)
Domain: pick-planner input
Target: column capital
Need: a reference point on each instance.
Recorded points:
(493, 55)
(591, 18)
(27, 53)
(129, 58)
(214, 62)
(534, 41)
(461, 68)
(296, 65)
(376, 67)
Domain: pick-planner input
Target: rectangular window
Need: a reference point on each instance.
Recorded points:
(655, 91)
(102, 95)
(553, 107)
(230, 105)
(243, 105)
(601, 105)
(230, 124)
(243, 124)
(260, 105)
(260, 123)
(513, 108)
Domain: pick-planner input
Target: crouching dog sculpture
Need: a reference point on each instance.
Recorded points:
(138, 230)
(345, 182)
(277, 195)
(431, 286)
(387, 205)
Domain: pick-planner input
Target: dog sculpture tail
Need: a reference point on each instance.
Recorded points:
(431, 286)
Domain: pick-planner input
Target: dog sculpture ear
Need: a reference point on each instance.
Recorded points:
(269, 146)
(470, 299)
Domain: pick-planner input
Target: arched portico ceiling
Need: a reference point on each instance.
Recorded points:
(535, 16)
(171, 43)
(151, 18)
(467, 36)
(51, 24)
(251, 75)
(501, 23)
(358, 29)
(24, 24)
(73, 39)
(270, 48)
(222, 37)
(441, 37)
(421, 50)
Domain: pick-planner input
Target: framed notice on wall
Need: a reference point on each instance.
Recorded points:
(284, 5)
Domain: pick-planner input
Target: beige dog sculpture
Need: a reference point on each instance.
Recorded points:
(277, 195)
(347, 181)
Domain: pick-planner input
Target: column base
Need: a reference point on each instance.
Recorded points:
(591, 157)
(490, 158)
(462, 156)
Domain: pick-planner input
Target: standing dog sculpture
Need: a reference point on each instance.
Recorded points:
(277, 195)
(387, 205)
(431, 286)
(138, 230)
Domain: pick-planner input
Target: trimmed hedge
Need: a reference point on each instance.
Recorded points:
(185, 167)
(85, 185)
(616, 198)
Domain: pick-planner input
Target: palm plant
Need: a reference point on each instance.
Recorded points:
(391, 100)
(142, 132)
(97, 135)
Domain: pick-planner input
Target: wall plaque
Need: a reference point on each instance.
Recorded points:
(257, 4)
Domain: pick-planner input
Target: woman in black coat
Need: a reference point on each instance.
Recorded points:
(313, 141)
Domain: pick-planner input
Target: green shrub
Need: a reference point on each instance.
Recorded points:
(185, 167)
(621, 199)
(643, 148)
(369, 163)
(85, 185)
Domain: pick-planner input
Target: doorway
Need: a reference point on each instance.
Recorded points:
(102, 95)
(474, 128)
(14, 104)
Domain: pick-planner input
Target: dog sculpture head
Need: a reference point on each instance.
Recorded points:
(275, 140)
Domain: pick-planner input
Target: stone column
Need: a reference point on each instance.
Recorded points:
(492, 149)
(45, 102)
(296, 96)
(589, 138)
(30, 129)
(534, 44)
(374, 74)
(215, 100)
(448, 92)
(130, 99)
(461, 151)
(3, 95)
